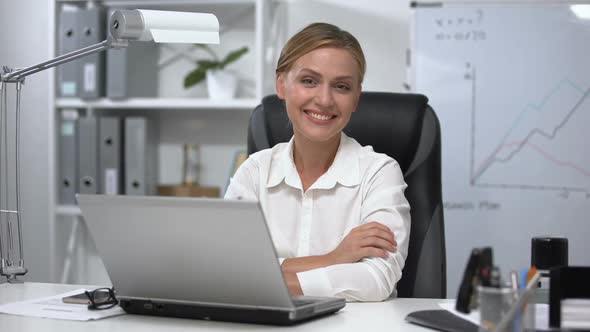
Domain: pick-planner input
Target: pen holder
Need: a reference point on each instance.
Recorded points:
(494, 304)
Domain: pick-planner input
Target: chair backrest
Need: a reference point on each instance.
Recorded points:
(406, 128)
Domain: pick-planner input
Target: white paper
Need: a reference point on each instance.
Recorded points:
(54, 307)
(575, 314)
(111, 181)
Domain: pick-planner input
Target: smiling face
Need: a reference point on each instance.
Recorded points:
(321, 90)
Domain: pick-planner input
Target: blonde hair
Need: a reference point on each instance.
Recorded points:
(317, 35)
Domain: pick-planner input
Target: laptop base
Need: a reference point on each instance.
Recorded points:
(239, 315)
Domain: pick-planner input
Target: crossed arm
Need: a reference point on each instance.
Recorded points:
(369, 240)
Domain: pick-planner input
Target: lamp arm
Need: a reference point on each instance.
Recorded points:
(20, 74)
(8, 266)
(125, 25)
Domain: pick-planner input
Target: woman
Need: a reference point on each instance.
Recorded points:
(332, 206)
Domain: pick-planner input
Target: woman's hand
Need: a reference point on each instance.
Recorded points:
(369, 240)
(292, 283)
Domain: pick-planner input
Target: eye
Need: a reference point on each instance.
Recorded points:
(343, 87)
(308, 81)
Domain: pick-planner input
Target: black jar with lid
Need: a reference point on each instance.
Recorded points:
(547, 252)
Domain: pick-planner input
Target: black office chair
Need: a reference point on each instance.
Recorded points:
(406, 128)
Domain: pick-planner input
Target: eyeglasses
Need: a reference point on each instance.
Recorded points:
(101, 298)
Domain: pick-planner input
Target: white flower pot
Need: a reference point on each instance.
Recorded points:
(221, 84)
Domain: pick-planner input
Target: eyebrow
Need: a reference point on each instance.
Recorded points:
(313, 72)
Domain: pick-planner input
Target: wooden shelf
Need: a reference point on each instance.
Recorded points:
(160, 3)
(159, 103)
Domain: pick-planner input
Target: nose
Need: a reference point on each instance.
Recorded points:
(324, 97)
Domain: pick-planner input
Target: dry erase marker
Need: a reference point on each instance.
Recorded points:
(514, 280)
(523, 278)
(530, 274)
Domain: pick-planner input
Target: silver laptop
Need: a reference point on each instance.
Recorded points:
(194, 258)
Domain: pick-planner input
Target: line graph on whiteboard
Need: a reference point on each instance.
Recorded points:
(542, 148)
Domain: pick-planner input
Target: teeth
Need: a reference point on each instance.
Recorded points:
(319, 116)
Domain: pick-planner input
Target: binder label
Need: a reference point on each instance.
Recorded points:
(68, 88)
(89, 77)
(111, 181)
(67, 128)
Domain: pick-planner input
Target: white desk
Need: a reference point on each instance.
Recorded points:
(384, 316)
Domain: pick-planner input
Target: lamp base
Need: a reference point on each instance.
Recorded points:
(12, 279)
(12, 272)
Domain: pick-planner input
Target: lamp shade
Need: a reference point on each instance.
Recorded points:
(582, 11)
(164, 26)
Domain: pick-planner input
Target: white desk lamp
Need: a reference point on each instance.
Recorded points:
(124, 26)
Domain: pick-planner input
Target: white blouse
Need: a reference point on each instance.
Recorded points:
(359, 187)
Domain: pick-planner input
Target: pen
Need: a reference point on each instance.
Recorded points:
(514, 283)
(522, 300)
(514, 280)
(530, 274)
(523, 274)
(515, 286)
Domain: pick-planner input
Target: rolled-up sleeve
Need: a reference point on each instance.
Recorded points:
(371, 279)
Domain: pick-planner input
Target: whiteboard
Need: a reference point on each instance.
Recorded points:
(511, 86)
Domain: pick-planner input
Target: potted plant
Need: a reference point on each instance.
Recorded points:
(221, 84)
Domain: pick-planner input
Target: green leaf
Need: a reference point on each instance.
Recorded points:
(233, 56)
(198, 74)
(208, 64)
(194, 77)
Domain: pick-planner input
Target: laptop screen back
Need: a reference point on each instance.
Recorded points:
(186, 249)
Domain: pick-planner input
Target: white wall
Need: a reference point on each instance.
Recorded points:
(381, 27)
(23, 44)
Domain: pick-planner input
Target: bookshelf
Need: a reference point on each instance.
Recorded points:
(195, 104)
(184, 116)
